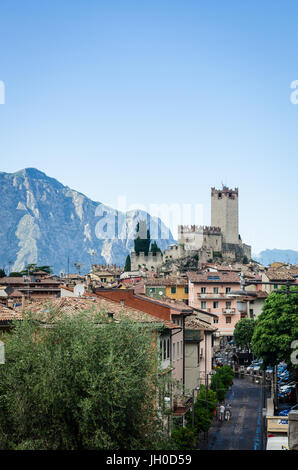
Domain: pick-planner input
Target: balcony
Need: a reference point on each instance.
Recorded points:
(228, 311)
(211, 295)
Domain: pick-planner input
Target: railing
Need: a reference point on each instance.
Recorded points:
(211, 295)
(228, 310)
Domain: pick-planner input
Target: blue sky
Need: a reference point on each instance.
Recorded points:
(157, 101)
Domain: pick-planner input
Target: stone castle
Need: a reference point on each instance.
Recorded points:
(219, 241)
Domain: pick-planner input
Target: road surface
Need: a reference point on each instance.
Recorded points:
(243, 431)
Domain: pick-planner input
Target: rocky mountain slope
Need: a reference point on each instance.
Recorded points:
(267, 257)
(45, 222)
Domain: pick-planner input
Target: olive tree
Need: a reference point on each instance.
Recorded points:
(73, 383)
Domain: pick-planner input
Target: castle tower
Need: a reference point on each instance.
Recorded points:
(224, 213)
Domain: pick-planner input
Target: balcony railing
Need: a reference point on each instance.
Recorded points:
(228, 310)
(211, 295)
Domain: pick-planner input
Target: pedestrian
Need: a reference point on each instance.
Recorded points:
(222, 412)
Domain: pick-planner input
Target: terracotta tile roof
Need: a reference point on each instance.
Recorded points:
(279, 275)
(172, 303)
(171, 281)
(215, 277)
(12, 280)
(91, 305)
(7, 314)
(21, 280)
(192, 322)
(16, 293)
(70, 289)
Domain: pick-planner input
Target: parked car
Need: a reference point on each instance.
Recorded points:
(287, 410)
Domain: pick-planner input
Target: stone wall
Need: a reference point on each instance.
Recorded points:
(152, 260)
(224, 213)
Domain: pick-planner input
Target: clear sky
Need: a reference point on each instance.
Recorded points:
(157, 101)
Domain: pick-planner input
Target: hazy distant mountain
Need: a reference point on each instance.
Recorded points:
(267, 257)
(44, 222)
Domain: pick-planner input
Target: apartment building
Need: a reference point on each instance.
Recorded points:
(211, 292)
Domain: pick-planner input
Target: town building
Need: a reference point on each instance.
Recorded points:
(171, 287)
(30, 287)
(211, 292)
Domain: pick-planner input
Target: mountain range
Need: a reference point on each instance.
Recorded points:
(267, 257)
(45, 222)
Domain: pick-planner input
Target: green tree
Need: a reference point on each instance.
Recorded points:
(221, 381)
(276, 329)
(31, 268)
(243, 332)
(205, 405)
(79, 384)
(183, 438)
(142, 238)
(127, 266)
(2, 273)
(245, 260)
(155, 248)
(15, 274)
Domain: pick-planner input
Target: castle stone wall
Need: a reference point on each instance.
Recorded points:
(148, 261)
(224, 213)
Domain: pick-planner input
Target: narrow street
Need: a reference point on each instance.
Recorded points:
(243, 431)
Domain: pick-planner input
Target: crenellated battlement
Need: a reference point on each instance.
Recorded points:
(202, 229)
(149, 256)
(224, 192)
(150, 260)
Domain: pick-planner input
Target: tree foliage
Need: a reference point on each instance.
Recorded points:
(221, 381)
(205, 405)
(243, 332)
(127, 266)
(155, 248)
(79, 384)
(2, 273)
(183, 438)
(142, 238)
(276, 329)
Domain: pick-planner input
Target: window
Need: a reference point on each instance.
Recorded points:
(203, 305)
(174, 351)
(173, 290)
(251, 312)
(228, 319)
(228, 304)
(275, 286)
(203, 290)
(178, 350)
(228, 289)
(152, 290)
(215, 304)
(160, 349)
(168, 349)
(186, 290)
(215, 320)
(164, 349)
